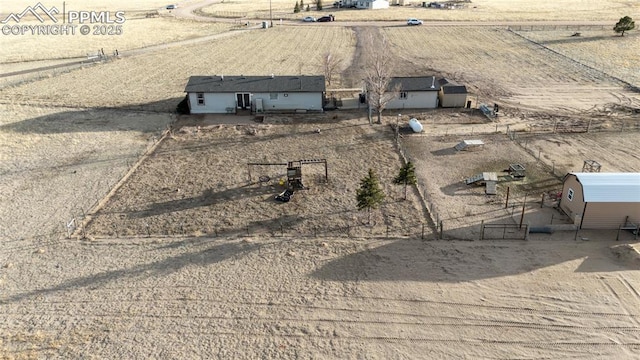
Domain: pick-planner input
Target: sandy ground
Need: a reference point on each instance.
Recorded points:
(183, 292)
(329, 299)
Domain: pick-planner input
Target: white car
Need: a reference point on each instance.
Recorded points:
(414, 22)
(309, 19)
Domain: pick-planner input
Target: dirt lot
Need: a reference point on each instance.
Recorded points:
(193, 285)
(289, 298)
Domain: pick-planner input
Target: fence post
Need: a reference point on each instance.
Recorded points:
(589, 125)
(247, 230)
(524, 204)
(526, 234)
(506, 204)
(542, 202)
(441, 229)
(422, 236)
(481, 229)
(387, 231)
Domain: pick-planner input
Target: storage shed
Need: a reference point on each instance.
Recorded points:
(452, 96)
(601, 200)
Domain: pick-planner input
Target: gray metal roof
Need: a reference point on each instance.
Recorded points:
(610, 187)
(415, 83)
(224, 84)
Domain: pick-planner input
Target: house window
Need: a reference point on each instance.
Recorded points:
(200, 98)
(273, 96)
(570, 194)
(403, 95)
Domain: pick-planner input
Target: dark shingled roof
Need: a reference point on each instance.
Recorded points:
(415, 83)
(445, 81)
(223, 84)
(454, 89)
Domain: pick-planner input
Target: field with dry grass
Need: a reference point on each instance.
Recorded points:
(125, 82)
(477, 10)
(599, 49)
(188, 282)
(500, 66)
(136, 33)
(197, 182)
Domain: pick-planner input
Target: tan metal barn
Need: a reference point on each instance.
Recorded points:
(601, 200)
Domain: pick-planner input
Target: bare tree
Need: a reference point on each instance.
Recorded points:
(377, 78)
(330, 64)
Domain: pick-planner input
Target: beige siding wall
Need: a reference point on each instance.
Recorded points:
(597, 215)
(576, 205)
(452, 100)
(610, 215)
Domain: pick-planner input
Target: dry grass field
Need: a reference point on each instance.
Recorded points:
(136, 33)
(477, 10)
(125, 82)
(57, 162)
(167, 269)
(599, 49)
(500, 66)
(197, 182)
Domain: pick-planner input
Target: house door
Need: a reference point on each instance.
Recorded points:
(244, 101)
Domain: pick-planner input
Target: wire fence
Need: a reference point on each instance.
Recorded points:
(557, 27)
(354, 229)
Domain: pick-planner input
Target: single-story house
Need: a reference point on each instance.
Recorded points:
(364, 4)
(221, 94)
(419, 92)
(601, 200)
(452, 95)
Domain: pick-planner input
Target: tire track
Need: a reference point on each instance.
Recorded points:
(455, 322)
(624, 294)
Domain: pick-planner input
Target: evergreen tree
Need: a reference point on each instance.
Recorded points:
(625, 24)
(370, 195)
(301, 4)
(308, 8)
(296, 9)
(406, 176)
(318, 5)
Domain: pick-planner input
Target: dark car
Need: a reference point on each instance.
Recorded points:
(326, 18)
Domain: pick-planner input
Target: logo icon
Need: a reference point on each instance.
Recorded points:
(34, 11)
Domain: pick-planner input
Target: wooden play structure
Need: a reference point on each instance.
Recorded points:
(294, 171)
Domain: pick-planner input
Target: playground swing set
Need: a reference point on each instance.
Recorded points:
(294, 176)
